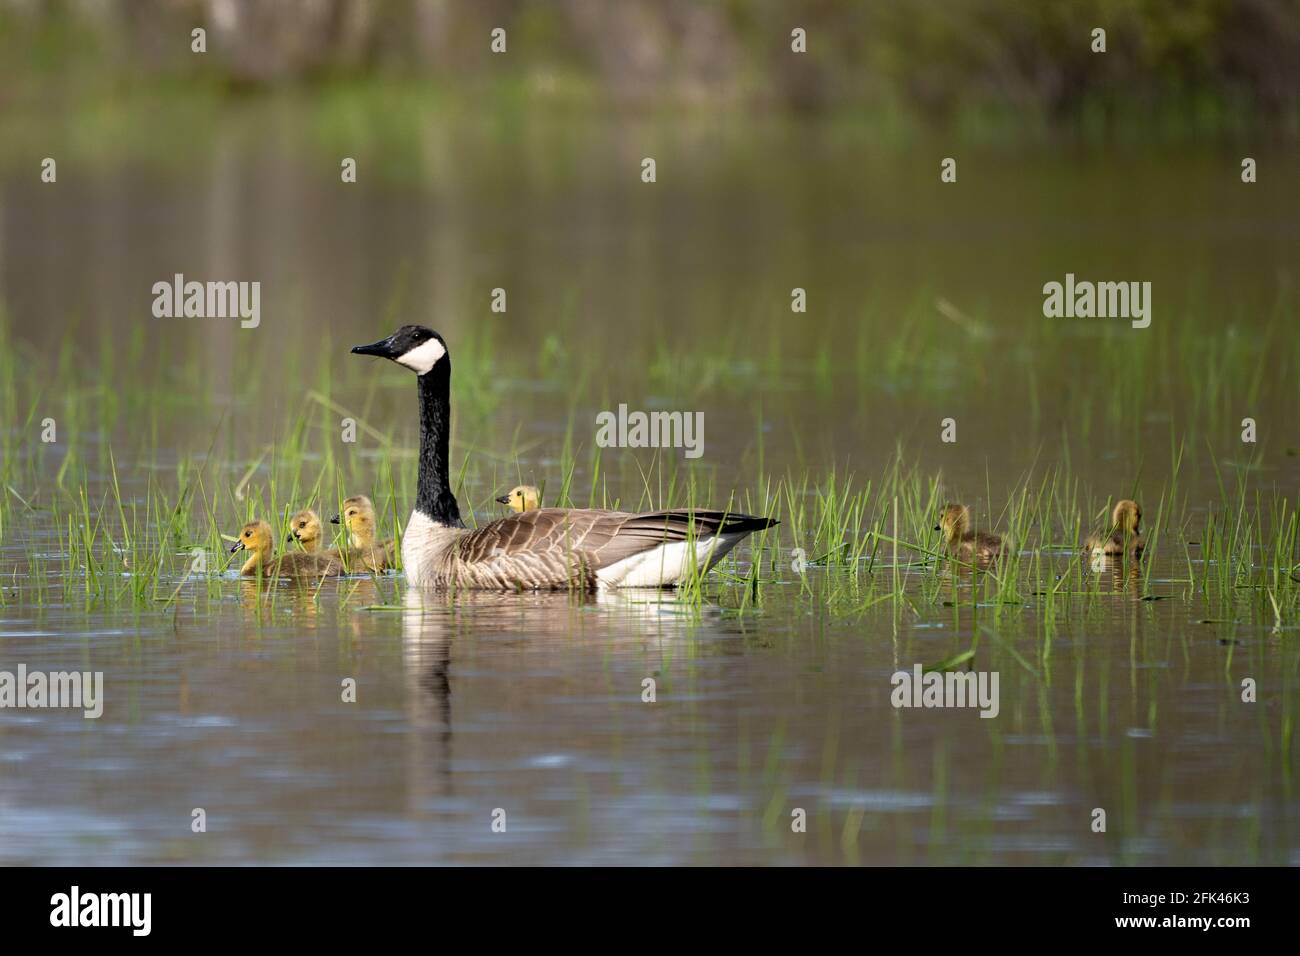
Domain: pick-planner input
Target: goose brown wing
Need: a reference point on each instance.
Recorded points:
(541, 532)
(598, 537)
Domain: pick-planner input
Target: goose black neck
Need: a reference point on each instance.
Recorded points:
(433, 495)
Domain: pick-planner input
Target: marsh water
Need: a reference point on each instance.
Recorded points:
(924, 302)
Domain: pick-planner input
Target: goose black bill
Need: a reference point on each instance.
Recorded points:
(384, 348)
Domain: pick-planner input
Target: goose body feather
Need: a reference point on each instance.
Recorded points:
(571, 548)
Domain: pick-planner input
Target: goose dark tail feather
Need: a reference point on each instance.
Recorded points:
(707, 521)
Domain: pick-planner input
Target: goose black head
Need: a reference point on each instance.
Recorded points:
(414, 346)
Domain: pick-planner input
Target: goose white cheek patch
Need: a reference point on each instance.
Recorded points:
(423, 357)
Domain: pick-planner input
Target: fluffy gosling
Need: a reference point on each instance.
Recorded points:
(358, 516)
(522, 498)
(961, 542)
(1125, 537)
(257, 538)
(305, 528)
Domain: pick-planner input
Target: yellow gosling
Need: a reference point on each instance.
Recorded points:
(1125, 536)
(305, 528)
(522, 498)
(257, 538)
(358, 516)
(963, 543)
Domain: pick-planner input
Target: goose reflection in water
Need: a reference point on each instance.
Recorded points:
(436, 626)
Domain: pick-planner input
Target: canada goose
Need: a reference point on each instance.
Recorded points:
(541, 549)
(358, 516)
(1125, 537)
(963, 543)
(257, 538)
(305, 528)
(522, 498)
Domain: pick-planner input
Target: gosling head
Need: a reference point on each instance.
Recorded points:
(358, 516)
(1127, 517)
(256, 537)
(305, 528)
(522, 498)
(413, 346)
(954, 521)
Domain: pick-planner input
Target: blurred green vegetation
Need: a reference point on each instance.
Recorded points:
(1199, 66)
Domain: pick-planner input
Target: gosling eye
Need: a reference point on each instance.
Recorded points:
(302, 524)
(248, 534)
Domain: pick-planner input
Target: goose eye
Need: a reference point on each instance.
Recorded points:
(248, 534)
